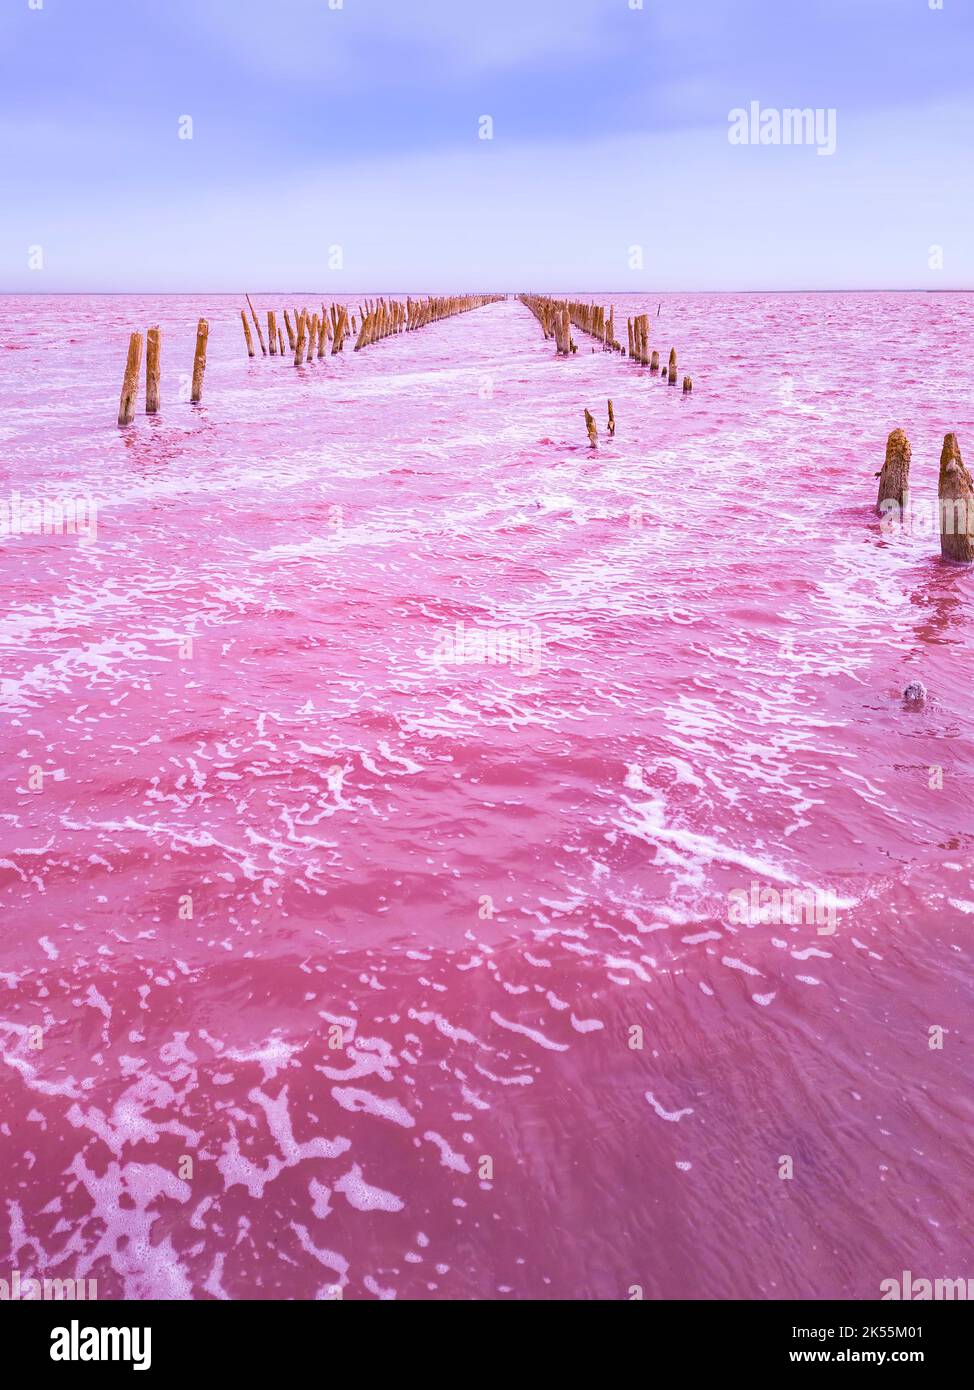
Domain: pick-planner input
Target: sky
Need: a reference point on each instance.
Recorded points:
(345, 145)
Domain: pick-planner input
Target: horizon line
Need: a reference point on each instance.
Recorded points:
(860, 289)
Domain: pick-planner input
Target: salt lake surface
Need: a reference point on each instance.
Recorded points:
(262, 795)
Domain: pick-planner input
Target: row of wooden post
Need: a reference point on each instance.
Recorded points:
(557, 315)
(310, 335)
(555, 321)
(593, 320)
(639, 351)
(382, 319)
(151, 345)
(955, 492)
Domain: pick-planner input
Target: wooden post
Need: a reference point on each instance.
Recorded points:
(672, 371)
(130, 381)
(299, 346)
(340, 326)
(894, 477)
(687, 385)
(593, 433)
(280, 341)
(292, 341)
(260, 331)
(654, 364)
(956, 505)
(153, 344)
(612, 421)
(199, 361)
(247, 333)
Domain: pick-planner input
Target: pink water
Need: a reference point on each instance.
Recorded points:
(485, 874)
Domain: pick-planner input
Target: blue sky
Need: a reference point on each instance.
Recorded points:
(358, 127)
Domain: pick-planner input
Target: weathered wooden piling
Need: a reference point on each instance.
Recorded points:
(152, 353)
(594, 319)
(199, 361)
(280, 341)
(300, 344)
(130, 381)
(272, 331)
(247, 333)
(687, 385)
(894, 477)
(593, 433)
(956, 494)
(292, 341)
(340, 318)
(672, 370)
(612, 420)
(260, 331)
(654, 363)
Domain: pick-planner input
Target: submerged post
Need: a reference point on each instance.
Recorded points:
(687, 385)
(593, 433)
(153, 344)
(612, 420)
(130, 382)
(894, 478)
(260, 331)
(672, 371)
(247, 333)
(956, 505)
(199, 361)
